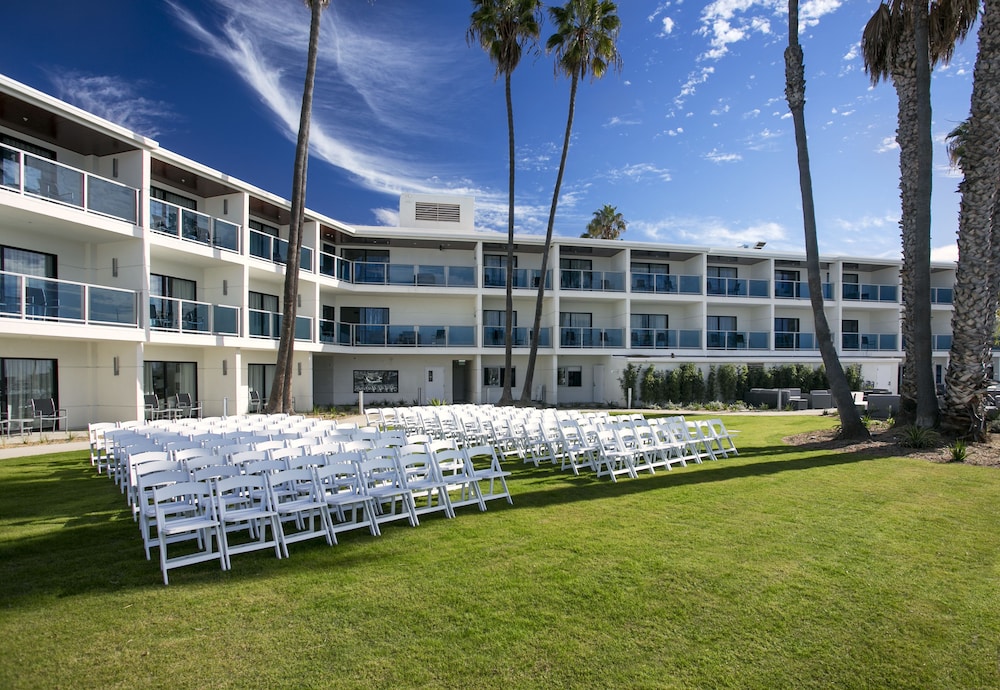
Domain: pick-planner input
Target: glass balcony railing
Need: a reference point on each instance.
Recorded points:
(591, 337)
(736, 287)
(334, 266)
(496, 277)
(394, 335)
(942, 295)
(40, 177)
(187, 316)
(736, 340)
(868, 342)
(788, 340)
(170, 219)
(793, 289)
(665, 338)
(666, 283)
(493, 336)
(867, 292)
(267, 324)
(31, 297)
(596, 281)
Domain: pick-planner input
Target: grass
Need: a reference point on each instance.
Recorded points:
(782, 568)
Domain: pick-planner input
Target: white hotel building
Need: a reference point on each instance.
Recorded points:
(128, 270)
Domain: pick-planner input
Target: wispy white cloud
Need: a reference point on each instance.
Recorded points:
(639, 171)
(699, 76)
(114, 99)
(710, 231)
(364, 97)
(716, 156)
(887, 144)
(386, 216)
(616, 121)
(668, 27)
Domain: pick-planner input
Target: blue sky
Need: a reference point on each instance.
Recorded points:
(692, 141)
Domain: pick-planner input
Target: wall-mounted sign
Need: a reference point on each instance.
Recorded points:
(376, 381)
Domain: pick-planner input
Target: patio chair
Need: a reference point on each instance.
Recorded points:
(44, 411)
(187, 407)
(256, 404)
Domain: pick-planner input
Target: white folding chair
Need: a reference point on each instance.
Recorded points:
(420, 476)
(452, 467)
(297, 498)
(484, 465)
(381, 479)
(243, 503)
(185, 512)
(350, 508)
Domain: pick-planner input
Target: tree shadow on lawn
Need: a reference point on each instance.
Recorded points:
(588, 485)
(98, 547)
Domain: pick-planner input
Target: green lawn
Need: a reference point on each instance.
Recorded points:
(783, 568)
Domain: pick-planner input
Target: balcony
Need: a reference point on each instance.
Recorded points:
(393, 335)
(34, 298)
(591, 337)
(869, 342)
(30, 175)
(275, 250)
(789, 340)
(797, 289)
(942, 295)
(736, 340)
(192, 226)
(425, 275)
(493, 336)
(496, 277)
(186, 316)
(866, 292)
(737, 287)
(267, 324)
(595, 281)
(666, 284)
(664, 338)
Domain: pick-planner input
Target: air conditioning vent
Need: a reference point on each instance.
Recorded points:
(438, 213)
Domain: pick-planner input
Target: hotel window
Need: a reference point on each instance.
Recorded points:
(41, 264)
(367, 256)
(786, 333)
(172, 198)
(574, 328)
(570, 377)
(168, 286)
(167, 379)
(22, 380)
(263, 227)
(721, 272)
(493, 376)
(497, 260)
(259, 378)
(27, 147)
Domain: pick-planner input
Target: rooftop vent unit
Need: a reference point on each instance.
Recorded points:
(438, 212)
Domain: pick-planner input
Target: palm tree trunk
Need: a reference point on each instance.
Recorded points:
(911, 79)
(537, 323)
(976, 280)
(507, 397)
(795, 91)
(280, 397)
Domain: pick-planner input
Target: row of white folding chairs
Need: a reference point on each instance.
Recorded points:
(366, 492)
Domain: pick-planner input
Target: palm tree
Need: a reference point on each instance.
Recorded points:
(584, 44)
(504, 28)
(795, 91)
(607, 224)
(280, 398)
(901, 42)
(973, 147)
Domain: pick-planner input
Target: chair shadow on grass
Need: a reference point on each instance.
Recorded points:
(95, 519)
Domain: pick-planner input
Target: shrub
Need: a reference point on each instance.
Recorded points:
(959, 450)
(918, 437)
